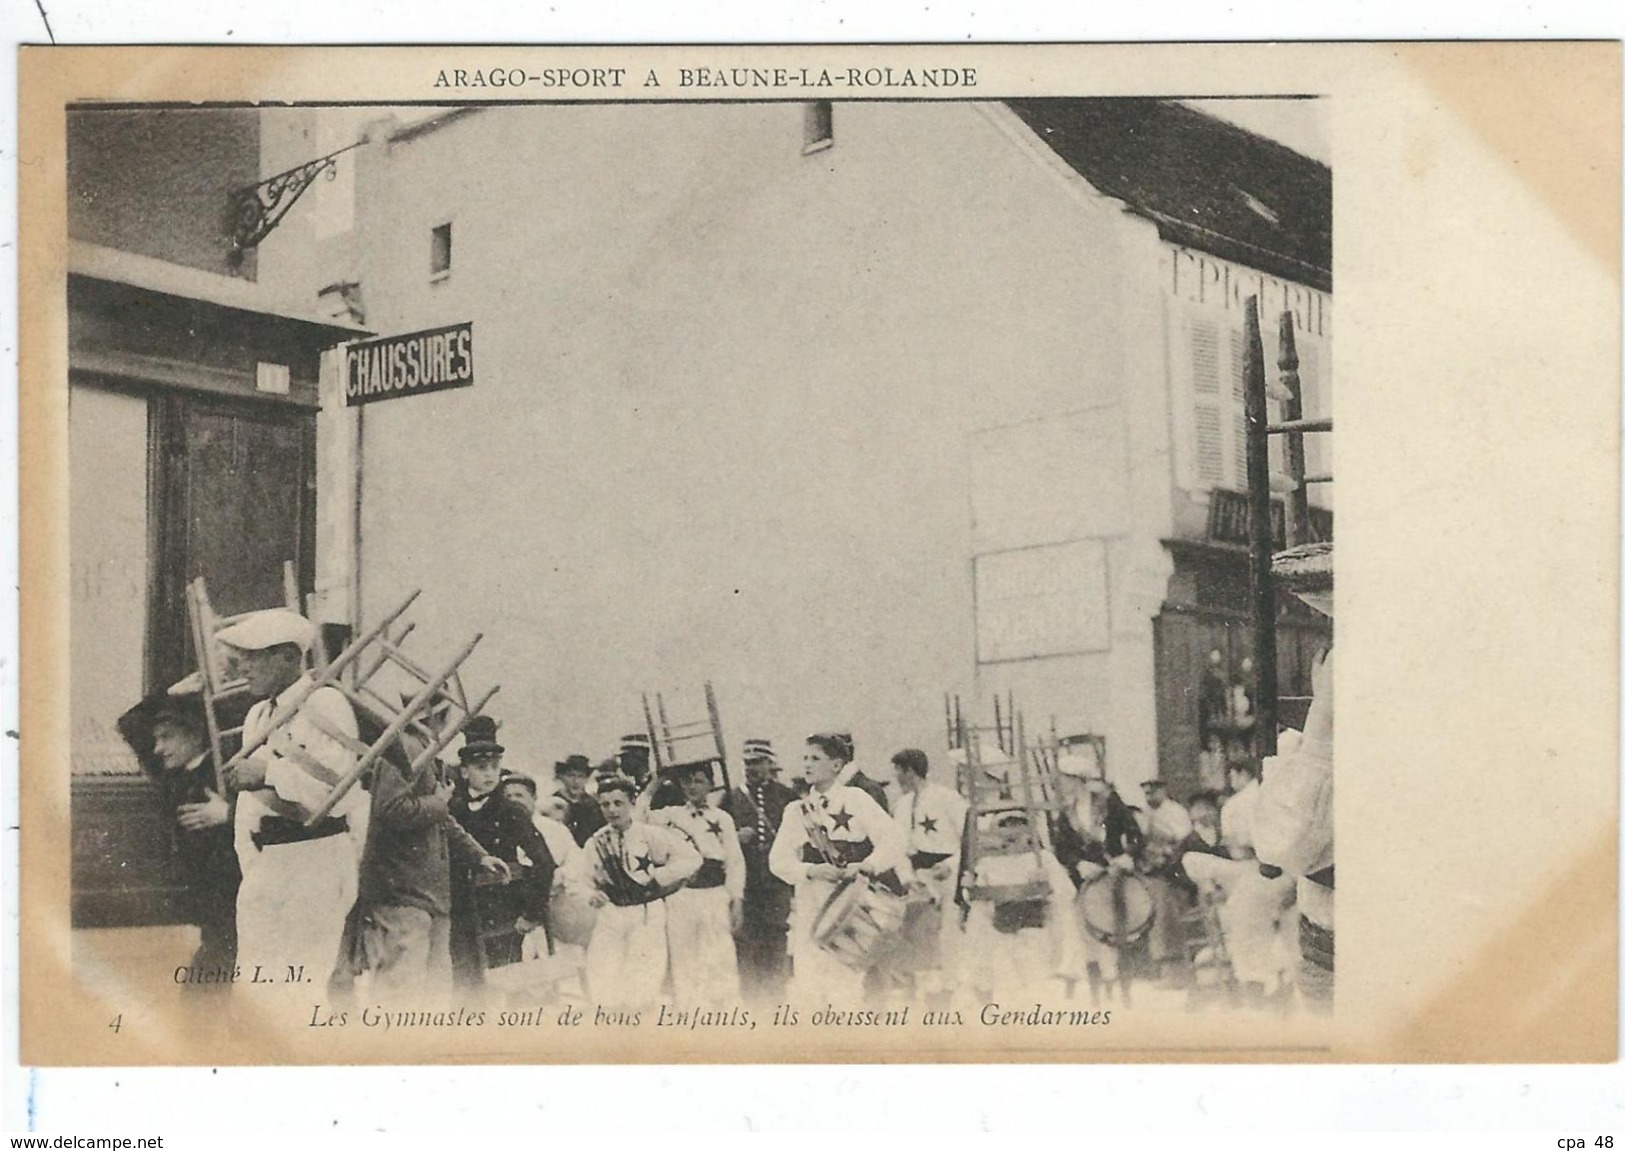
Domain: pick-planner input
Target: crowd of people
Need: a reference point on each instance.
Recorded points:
(627, 886)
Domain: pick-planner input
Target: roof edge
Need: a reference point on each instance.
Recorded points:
(93, 261)
(1171, 229)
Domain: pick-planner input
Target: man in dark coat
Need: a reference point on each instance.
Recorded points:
(506, 913)
(581, 813)
(169, 735)
(757, 810)
(400, 927)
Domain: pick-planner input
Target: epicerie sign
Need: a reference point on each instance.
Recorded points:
(409, 365)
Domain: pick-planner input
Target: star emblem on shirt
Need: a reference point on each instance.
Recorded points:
(928, 825)
(714, 828)
(645, 862)
(842, 820)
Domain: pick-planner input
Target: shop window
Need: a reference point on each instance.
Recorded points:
(107, 565)
(819, 127)
(440, 252)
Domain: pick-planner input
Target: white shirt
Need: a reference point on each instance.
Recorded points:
(561, 845)
(933, 820)
(1236, 818)
(650, 856)
(711, 831)
(286, 777)
(1170, 822)
(1292, 828)
(846, 815)
(1021, 867)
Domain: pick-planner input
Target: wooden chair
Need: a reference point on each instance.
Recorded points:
(674, 745)
(225, 697)
(411, 727)
(997, 775)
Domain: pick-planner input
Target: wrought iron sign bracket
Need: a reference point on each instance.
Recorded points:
(257, 209)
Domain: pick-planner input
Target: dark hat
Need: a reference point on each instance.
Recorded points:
(759, 751)
(480, 738)
(694, 767)
(173, 706)
(573, 765)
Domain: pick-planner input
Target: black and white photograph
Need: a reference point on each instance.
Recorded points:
(851, 501)
(689, 557)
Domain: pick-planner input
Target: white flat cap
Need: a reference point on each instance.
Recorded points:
(259, 630)
(1081, 763)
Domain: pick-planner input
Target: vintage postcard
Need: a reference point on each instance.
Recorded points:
(758, 554)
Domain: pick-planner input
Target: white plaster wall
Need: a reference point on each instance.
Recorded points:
(724, 390)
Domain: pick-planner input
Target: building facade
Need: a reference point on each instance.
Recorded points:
(837, 408)
(192, 450)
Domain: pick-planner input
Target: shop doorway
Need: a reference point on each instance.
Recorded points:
(1190, 678)
(235, 501)
(165, 485)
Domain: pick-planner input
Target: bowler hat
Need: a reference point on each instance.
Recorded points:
(573, 765)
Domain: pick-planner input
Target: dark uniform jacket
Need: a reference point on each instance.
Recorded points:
(1192, 843)
(1122, 837)
(504, 829)
(760, 808)
(870, 788)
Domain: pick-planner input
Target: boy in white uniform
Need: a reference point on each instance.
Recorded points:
(703, 918)
(632, 868)
(1020, 944)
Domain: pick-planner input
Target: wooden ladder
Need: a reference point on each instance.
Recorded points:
(1260, 529)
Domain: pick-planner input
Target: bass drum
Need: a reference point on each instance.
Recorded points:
(857, 919)
(1117, 908)
(570, 919)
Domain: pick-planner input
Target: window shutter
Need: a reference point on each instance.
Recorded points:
(1209, 402)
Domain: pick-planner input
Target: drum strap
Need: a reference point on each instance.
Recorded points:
(817, 836)
(624, 891)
